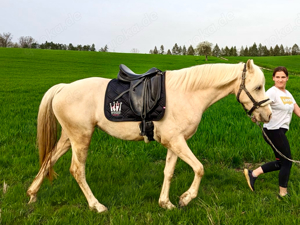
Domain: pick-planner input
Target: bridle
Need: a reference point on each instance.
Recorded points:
(256, 104)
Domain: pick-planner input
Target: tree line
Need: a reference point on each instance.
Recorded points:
(205, 48)
(30, 42)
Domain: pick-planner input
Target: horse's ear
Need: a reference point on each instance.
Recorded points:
(250, 65)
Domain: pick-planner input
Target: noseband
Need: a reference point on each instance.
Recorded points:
(256, 104)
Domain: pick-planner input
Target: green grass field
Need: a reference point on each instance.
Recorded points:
(290, 62)
(127, 176)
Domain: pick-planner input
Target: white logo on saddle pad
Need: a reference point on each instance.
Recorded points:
(115, 108)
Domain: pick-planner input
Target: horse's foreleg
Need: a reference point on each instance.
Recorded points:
(164, 200)
(181, 149)
(77, 169)
(62, 146)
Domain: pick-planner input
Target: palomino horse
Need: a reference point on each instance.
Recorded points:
(79, 108)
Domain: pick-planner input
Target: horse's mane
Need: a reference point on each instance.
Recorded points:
(203, 76)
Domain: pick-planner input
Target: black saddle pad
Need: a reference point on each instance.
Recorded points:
(120, 110)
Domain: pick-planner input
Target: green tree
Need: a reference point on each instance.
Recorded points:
(276, 51)
(216, 51)
(70, 46)
(175, 49)
(155, 51)
(34, 45)
(287, 50)
(234, 52)
(295, 50)
(93, 48)
(179, 50)
(271, 52)
(79, 47)
(204, 48)
(265, 51)
(281, 50)
(242, 51)
(226, 51)
(105, 49)
(191, 50)
(231, 51)
(246, 51)
(162, 49)
(253, 50)
(86, 48)
(184, 50)
(260, 50)
(169, 52)
(222, 52)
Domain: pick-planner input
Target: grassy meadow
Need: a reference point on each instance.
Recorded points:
(127, 176)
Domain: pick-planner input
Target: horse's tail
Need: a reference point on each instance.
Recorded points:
(47, 128)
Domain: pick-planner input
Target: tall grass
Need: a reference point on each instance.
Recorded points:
(127, 176)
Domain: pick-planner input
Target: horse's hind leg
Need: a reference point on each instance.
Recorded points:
(62, 146)
(164, 200)
(77, 169)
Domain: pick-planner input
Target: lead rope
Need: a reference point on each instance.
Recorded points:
(258, 124)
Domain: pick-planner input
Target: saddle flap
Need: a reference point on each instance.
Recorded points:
(154, 93)
(144, 94)
(136, 96)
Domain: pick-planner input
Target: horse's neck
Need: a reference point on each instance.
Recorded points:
(203, 85)
(203, 77)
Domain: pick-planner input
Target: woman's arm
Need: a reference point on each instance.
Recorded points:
(296, 110)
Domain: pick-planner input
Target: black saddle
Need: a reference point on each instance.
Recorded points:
(144, 92)
(128, 75)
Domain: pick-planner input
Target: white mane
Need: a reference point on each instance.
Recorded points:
(203, 76)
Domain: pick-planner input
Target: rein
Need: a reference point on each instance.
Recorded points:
(256, 104)
(258, 124)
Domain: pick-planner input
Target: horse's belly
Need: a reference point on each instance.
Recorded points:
(121, 130)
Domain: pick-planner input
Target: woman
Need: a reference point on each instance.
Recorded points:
(283, 105)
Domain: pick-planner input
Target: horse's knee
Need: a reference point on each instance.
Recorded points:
(74, 170)
(199, 170)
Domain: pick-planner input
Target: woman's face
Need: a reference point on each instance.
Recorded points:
(280, 80)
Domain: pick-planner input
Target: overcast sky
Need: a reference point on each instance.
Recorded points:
(124, 25)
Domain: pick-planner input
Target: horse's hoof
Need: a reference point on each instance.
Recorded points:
(99, 208)
(167, 205)
(33, 199)
(181, 204)
(185, 198)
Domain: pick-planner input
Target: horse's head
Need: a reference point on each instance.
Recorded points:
(251, 93)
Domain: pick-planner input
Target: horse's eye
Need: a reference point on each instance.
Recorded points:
(258, 88)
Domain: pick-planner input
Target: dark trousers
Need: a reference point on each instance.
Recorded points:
(280, 141)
